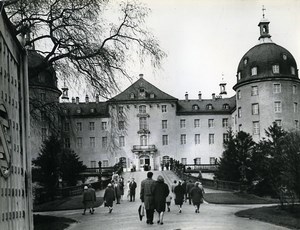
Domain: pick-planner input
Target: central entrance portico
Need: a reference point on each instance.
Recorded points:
(145, 155)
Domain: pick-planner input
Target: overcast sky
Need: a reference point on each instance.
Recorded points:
(207, 38)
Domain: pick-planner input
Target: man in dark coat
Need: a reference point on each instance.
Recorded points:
(146, 195)
(179, 195)
(87, 200)
(132, 187)
(184, 188)
(189, 186)
(197, 196)
(93, 194)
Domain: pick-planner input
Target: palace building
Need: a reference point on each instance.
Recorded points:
(144, 125)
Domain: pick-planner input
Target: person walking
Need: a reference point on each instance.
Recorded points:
(189, 186)
(118, 192)
(132, 188)
(109, 197)
(93, 195)
(161, 191)
(146, 196)
(87, 200)
(168, 202)
(184, 188)
(197, 196)
(179, 195)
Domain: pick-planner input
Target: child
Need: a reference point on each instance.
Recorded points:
(168, 201)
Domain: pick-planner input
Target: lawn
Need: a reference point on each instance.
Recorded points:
(284, 217)
(237, 198)
(51, 222)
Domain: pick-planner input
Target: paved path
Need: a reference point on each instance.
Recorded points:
(125, 215)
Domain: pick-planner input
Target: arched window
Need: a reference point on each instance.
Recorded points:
(226, 106)
(209, 107)
(195, 107)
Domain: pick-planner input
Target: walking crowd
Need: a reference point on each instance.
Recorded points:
(154, 195)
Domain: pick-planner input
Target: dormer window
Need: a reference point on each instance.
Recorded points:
(92, 110)
(78, 111)
(254, 71)
(275, 68)
(209, 107)
(152, 95)
(284, 57)
(293, 71)
(245, 61)
(131, 96)
(195, 107)
(142, 92)
(239, 75)
(226, 106)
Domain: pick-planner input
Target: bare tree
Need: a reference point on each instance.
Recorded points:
(82, 42)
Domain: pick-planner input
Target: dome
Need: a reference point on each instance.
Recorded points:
(264, 57)
(46, 78)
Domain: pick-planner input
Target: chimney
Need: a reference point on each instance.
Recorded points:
(73, 99)
(97, 98)
(186, 96)
(200, 96)
(141, 75)
(213, 96)
(87, 99)
(77, 100)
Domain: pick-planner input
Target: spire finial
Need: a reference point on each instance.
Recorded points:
(263, 10)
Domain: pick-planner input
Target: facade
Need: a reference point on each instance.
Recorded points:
(145, 126)
(15, 157)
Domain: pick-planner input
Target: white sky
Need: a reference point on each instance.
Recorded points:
(207, 38)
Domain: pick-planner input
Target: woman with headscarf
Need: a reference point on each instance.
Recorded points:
(179, 195)
(197, 196)
(109, 197)
(161, 191)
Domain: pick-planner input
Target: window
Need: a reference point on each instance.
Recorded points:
(93, 164)
(78, 110)
(240, 127)
(211, 139)
(104, 125)
(294, 89)
(121, 109)
(296, 124)
(255, 109)
(121, 141)
(197, 139)
(121, 125)
(143, 140)
(277, 88)
(183, 161)
(152, 95)
(239, 112)
(92, 142)
(197, 160)
(239, 76)
(67, 143)
(79, 142)
(225, 122)
(92, 125)
(104, 142)
(105, 163)
(195, 107)
(245, 61)
(67, 127)
(254, 90)
(275, 68)
(142, 109)
(44, 134)
(255, 127)
(210, 123)
(164, 124)
(183, 139)
(279, 123)
(143, 123)
(225, 137)
(164, 108)
(253, 71)
(131, 96)
(293, 71)
(165, 140)
(209, 107)
(182, 123)
(239, 95)
(277, 107)
(197, 123)
(79, 126)
(226, 106)
(295, 107)
(212, 160)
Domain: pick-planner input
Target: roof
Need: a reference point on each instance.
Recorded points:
(90, 109)
(206, 106)
(142, 90)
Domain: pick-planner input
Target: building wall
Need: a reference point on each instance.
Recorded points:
(15, 193)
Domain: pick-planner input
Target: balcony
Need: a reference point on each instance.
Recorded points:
(142, 148)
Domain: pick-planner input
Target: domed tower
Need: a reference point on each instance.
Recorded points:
(43, 99)
(268, 87)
